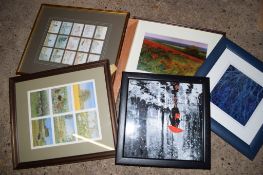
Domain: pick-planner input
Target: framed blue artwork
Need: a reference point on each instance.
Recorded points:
(236, 86)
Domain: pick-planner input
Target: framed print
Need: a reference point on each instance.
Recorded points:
(157, 47)
(63, 115)
(64, 35)
(236, 81)
(164, 121)
(169, 49)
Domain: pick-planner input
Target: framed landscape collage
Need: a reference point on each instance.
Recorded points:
(57, 114)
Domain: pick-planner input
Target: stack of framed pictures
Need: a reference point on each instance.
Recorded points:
(63, 36)
(57, 113)
(154, 47)
(63, 115)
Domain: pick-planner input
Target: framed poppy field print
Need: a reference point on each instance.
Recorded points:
(169, 49)
(164, 121)
(163, 48)
(62, 115)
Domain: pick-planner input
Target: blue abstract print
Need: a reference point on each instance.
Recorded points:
(237, 95)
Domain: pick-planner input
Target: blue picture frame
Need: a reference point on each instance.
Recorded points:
(255, 66)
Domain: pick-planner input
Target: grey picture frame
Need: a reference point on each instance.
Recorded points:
(114, 21)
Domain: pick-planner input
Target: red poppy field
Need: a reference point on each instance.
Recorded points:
(170, 58)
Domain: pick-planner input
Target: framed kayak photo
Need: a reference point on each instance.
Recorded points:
(164, 121)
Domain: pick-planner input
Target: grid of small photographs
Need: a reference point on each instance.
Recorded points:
(73, 43)
(64, 115)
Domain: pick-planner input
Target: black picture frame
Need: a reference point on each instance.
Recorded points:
(139, 128)
(27, 154)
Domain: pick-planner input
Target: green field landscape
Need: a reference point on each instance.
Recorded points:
(39, 103)
(60, 100)
(87, 125)
(64, 129)
(41, 132)
(170, 57)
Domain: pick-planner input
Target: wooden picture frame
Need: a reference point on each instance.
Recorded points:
(138, 29)
(62, 115)
(164, 121)
(237, 77)
(64, 35)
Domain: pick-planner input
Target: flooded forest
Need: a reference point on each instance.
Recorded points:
(149, 113)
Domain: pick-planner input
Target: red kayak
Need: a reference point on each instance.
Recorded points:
(174, 129)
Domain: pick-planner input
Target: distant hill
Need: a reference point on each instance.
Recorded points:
(175, 43)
